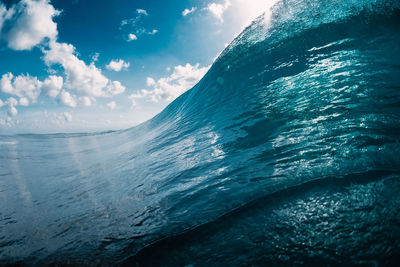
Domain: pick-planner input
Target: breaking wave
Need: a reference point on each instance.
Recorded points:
(287, 151)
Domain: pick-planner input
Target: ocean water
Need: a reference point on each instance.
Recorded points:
(286, 152)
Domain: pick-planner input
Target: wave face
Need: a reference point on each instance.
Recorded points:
(286, 152)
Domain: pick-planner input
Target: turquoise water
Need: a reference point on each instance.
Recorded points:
(286, 152)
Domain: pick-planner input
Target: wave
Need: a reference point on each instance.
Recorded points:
(299, 225)
(306, 95)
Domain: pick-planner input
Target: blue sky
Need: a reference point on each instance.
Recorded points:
(90, 65)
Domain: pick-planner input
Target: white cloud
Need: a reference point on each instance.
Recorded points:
(24, 102)
(145, 94)
(142, 11)
(117, 65)
(21, 86)
(135, 27)
(27, 87)
(112, 105)
(85, 101)
(12, 111)
(31, 22)
(53, 85)
(87, 80)
(150, 81)
(67, 99)
(218, 10)
(95, 57)
(168, 88)
(58, 119)
(6, 85)
(67, 116)
(12, 102)
(3, 14)
(132, 37)
(188, 11)
(154, 31)
(115, 88)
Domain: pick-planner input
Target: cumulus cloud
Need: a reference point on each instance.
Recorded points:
(27, 87)
(24, 102)
(169, 88)
(112, 105)
(29, 23)
(12, 103)
(53, 85)
(12, 111)
(1, 103)
(132, 37)
(85, 79)
(117, 65)
(115, 88)
(85, 101)
(218, 10)
(21, 86)
(150, 81)
(188, 11)
(67, 99)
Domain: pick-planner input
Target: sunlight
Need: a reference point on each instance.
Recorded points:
(249, 10)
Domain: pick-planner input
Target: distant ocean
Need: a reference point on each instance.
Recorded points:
(287, 152)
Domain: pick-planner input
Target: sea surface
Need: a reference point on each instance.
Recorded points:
(287, 152)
